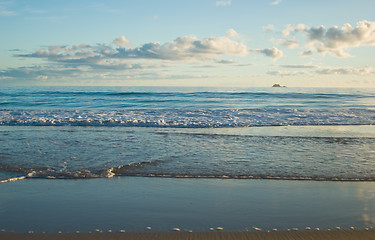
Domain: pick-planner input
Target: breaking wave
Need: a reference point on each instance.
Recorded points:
(202, 118)
(137, 170)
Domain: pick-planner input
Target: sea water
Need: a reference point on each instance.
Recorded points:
(263, 133)
(192, 158)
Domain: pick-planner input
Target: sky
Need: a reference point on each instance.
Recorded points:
(233, 43)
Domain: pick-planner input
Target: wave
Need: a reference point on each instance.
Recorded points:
(135, 170)
(207, 94)
(181, 98)
(201, 118)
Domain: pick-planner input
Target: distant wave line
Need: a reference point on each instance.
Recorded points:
(192, 94)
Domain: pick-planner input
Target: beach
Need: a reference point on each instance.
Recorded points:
(187, 120)
(170, 208)
(211, 164)
(144, 204)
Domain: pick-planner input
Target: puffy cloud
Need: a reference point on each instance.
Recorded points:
(232, 33)
(38, 72)
(183, 48)
(218, 46)
(186, 48)
(121, 41)
(290, 29)
(273, 52)
(223, 2)
(60, 73)
(64, 53)
(291, 43)
(306, 53)
(335, 40)
(275, 3)
(113, 60)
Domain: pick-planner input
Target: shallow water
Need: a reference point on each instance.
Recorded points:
(300, 153)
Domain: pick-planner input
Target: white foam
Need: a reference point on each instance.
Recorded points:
(188, 118)
(12, 179)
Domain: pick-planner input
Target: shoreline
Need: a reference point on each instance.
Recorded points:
(137, 204)
(254, 235)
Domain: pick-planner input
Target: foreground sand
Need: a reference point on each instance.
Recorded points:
(300, 235)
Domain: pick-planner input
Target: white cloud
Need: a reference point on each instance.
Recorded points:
(335, 40)
(42, 77)
(191, 48)
(273, 52)
(306, 53)
(291, 43)
(289, 29)
(322, 70)
(284, 73)
(232, 33)
(298, 66)
(364, 71)
(268, 28)
(230, 61)
(275, 3)
(184, 48)
(223, 2)
(121, 41)
(112, 60)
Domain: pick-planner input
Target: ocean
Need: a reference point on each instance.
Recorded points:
(200, 135)
(272, 133)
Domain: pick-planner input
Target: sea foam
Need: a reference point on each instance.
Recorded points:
(200, 118)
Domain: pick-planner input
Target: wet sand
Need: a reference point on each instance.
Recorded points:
(321, 235)
(136, 204)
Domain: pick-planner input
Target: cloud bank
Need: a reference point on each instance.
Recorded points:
(322, 70)
(363, 71)
(185, 48)
(116, 58)
(120, 59)
(335, 40)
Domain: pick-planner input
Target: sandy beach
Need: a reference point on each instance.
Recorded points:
(321, 235)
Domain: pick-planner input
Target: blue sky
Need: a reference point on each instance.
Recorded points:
(188, 43)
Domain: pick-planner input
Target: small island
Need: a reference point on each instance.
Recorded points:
(277, 85)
